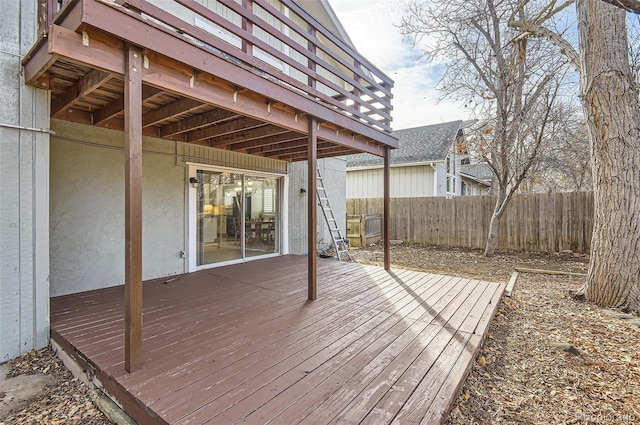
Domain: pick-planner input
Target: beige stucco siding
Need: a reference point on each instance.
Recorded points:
(87, 204)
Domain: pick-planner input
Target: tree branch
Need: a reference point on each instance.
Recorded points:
(557, 40)
(629, 5)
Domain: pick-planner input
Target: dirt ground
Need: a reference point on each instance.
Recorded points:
(469, 263)
(523, 375)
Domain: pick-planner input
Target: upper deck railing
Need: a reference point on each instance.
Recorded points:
(279, 40)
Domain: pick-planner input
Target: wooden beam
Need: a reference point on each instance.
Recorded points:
(297, 142)
(85, 117)
(268, 140)
(65, 43)
(303, 149)
(116, 106)
(38, 61)
(224, 130)
(83, 87)
(133, 208)
(168, 75)
(170, 44)
(512, 283)
(197, 121)
(246, 135)
(172, 110)
(312, 210)
(556, 272)
(385, 202)
(325, 150)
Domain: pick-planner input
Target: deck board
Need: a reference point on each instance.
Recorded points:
(241, 343)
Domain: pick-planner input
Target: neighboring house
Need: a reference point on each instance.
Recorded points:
(214, 104)
(476, 179)
(429, 161)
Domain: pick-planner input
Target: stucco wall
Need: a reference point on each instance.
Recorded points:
(24, 162)
(87, 209)
(87, 204)
(333, 171)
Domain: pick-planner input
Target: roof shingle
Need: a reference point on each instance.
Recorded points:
(420, 144)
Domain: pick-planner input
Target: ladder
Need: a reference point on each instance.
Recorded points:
(339, 242)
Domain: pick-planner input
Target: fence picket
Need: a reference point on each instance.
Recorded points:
(532, 222)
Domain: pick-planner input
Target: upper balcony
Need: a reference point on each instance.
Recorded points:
(231, 74)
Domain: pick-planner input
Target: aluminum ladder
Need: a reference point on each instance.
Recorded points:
(339, 242)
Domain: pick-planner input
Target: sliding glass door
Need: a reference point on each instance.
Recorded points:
(262, 216)
(236, 216)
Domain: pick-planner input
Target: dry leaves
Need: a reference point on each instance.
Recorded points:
(534, 380)
(66, 402)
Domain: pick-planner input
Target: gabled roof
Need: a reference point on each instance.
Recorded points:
(481, 173)
(428, 143)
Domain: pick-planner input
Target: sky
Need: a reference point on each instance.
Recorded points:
(370, 25)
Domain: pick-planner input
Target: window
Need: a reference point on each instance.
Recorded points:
(451, 184)
(451, 176)
(269, 205)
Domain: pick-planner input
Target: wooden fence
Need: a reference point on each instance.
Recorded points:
(533, 222)
(363, 229)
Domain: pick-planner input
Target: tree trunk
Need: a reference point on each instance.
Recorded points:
(494, 225)
(610, 103)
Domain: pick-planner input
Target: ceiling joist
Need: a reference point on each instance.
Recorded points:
(197, 122)
(267, 140)
(170, 111)
(224, 130)
(244, 136)
(116, 106)
(81, 88)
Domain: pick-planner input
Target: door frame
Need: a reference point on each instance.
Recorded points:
(190, 215)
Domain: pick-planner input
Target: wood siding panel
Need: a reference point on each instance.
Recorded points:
(405, 182)
(210, 156)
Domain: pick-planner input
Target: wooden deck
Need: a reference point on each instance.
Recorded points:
(242, 344)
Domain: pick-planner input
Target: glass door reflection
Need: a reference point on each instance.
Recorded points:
(219, 222)
(262, 215)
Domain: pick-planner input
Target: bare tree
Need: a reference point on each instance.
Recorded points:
(565, 163)
(511, 83)
(610, 101)
(608, 89)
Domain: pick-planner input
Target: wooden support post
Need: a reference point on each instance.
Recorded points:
(385, 218)
(247, 25)
(313, 49)
(312, 208)
(133, 208)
